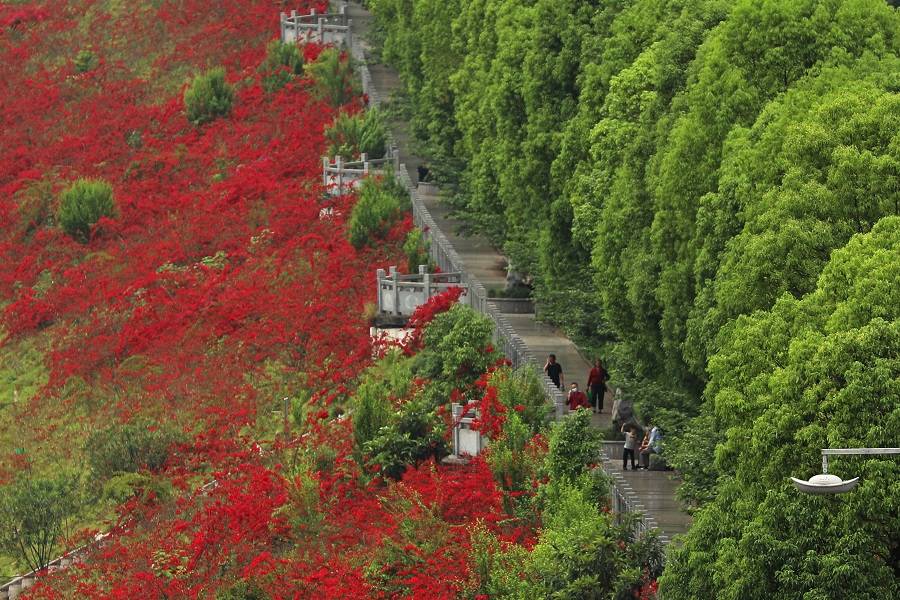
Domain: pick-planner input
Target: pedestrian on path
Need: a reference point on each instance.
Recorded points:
(630, 442)
(597, 385)
(554, 371)
(577, 399)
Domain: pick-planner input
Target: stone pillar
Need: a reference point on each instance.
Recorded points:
(379, 277)
(340, 174)
(396, 285)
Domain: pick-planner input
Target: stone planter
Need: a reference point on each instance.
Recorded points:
(513, 306)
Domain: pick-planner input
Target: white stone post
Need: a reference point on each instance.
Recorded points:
(379, 278)
(340, 173)
(396, 283)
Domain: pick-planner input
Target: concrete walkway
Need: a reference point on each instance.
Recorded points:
(654, 489)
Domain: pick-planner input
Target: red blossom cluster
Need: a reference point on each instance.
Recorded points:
(218, 275)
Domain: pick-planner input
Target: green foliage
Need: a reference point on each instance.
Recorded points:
(129, 448)
(389, 379)
(208, 97)
(380, 205)
(282, 63)
(82, 204)
(243, 590)
(414, 434)
(455, 347)
(124, 486)
(416, 248)
(350, 136)
(581, 553)
(333, 78)
(818, 372)
(33, 516)
(86, 61)
(574, 445)
(521, 392)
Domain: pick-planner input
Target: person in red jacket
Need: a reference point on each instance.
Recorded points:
(597, 385)
(576, 398)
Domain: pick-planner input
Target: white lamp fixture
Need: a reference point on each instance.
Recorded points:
(832, 484)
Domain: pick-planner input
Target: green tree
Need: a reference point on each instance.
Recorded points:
(208, 97)
(351, 135)
(333, 77)
(379, 207)
(34, 512)
(821, 371)
(84, 203)
(283, 62)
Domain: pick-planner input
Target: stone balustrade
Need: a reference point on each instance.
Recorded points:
(342, 177)
(326, 29)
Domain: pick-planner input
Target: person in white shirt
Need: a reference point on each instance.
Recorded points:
(630, 442)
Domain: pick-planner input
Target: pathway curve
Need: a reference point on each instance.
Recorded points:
(654, 490)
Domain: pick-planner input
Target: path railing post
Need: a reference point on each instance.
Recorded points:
(396, 284)
(379, 278)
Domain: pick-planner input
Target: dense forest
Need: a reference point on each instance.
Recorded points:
(708, 193)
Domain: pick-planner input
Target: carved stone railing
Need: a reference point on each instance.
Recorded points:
(328, 29)
(342, 177)
(400, 295)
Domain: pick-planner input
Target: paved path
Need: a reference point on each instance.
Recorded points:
(655, 489)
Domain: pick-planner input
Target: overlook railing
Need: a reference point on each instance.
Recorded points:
(400, 295)
(327, 29)
(342, 177)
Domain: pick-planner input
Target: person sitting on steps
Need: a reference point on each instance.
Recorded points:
(650, 445)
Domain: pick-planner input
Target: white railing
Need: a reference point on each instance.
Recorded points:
(342, 177)
(327, 29)
(400, 295)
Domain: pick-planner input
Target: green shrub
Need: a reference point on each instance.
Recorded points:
(416, 248)
(521, 388)
(124, 486)
(362, 133)
(574, 444)
(86, 61)
(282, 63)
(333, 78)
(380, 205)
(83, 204)
(455, 343)
(414, 434)
(208, 97)
(243, 590)
(372, 410)
(128, 448)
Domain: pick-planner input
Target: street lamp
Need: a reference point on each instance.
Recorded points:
(832, 484)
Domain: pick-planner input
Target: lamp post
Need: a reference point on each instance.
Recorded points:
(825, 483)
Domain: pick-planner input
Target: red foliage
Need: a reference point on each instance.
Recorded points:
(217, 269)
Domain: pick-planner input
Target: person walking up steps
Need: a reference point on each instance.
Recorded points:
(554, 371)
(597, 385)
